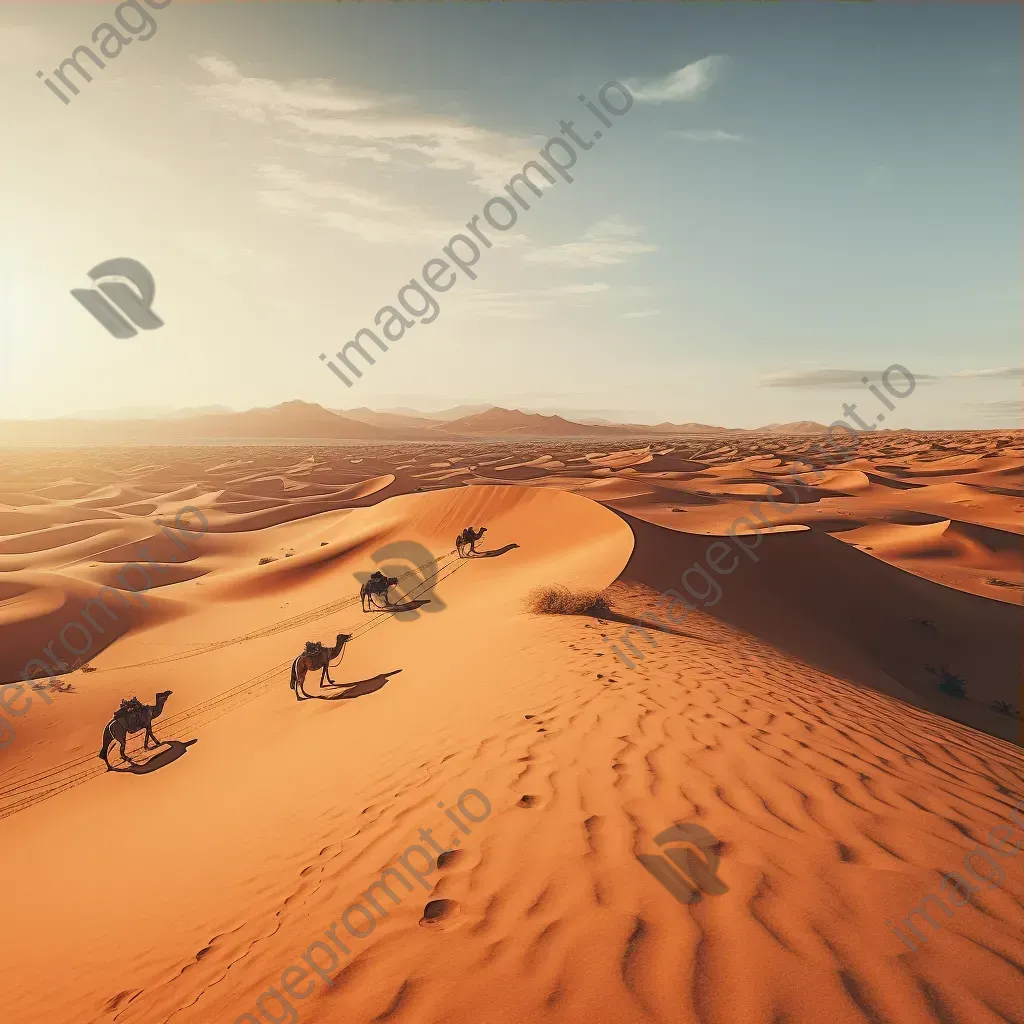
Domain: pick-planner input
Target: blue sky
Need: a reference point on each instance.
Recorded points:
(833, 189)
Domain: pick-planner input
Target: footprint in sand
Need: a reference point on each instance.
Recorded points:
(527, 801)
(449, 857)
(437, 912)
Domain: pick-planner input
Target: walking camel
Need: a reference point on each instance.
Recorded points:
(131, 717)
(377, 585)
(468, 538)
(314, 657)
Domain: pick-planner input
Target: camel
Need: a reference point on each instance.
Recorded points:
(316, 656)
(469, 537)
(132, 716)
(377, 585)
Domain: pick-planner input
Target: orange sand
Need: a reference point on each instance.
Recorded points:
(794, 719)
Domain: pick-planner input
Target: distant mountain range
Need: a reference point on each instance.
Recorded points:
(511, 422)
(306, 420)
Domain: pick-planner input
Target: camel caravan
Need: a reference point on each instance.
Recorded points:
(134, 717)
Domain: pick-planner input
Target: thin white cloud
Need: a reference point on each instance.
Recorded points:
(705, 135)
(829, 379)
(486, 158)
(685, 84)
(329, 120)
(841, 379)
(608, 242)
(638, 314)
(1006, 410)
(999, 373)
(261, 99)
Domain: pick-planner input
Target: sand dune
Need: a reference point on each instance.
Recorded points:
(792, 716)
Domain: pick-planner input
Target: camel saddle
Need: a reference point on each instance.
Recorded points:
(314, 649)
(130, 713)
(377, 577)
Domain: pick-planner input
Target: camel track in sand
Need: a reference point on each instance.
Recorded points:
(312, 615)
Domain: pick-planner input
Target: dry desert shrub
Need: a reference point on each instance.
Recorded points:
(949, 682)
(266, 560)
(559, 600)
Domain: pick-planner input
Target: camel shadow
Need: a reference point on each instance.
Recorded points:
(493, 553)
(174, 750)
(359, 688)
(405, 606)
(407, 610)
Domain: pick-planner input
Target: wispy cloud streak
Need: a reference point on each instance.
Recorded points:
(685, 84)
(607, 242)
(841, 379)
(997, 373)
(827, 379)
(365, 125)
(705, 135)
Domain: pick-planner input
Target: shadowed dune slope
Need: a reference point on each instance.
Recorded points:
(851, 615)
